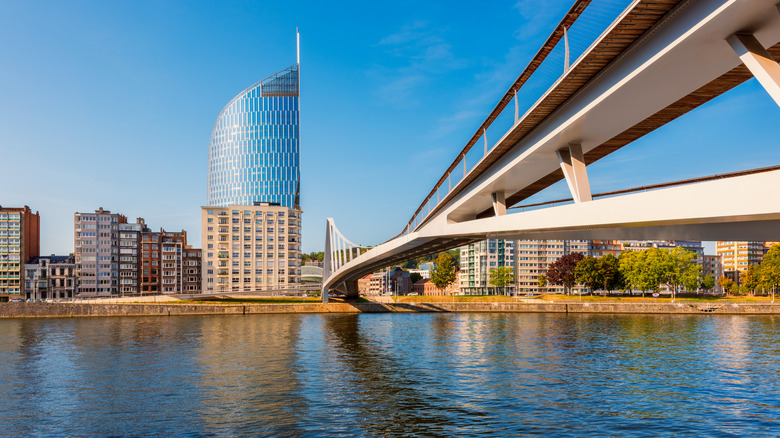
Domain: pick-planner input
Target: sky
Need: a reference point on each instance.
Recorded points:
(111, 104)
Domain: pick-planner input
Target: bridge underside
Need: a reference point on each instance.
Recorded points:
(739, 208)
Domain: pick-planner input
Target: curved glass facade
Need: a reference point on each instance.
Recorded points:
(254, 154)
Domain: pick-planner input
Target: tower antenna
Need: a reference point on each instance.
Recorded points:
(298, 44)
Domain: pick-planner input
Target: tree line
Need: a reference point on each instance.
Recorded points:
(764, 277)
(645, 270)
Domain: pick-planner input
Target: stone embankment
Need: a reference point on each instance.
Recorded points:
(65, 310)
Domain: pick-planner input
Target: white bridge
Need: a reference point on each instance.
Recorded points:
(656, 61)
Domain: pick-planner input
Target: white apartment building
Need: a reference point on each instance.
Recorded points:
(250, 247)
(476, 261)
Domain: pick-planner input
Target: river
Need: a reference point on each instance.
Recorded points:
(391, 374)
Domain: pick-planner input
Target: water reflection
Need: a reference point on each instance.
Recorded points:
(392, 374)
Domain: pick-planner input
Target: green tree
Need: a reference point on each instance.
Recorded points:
(680, 269)
(414, 277)
(588, 273)
(542, 279)
(726, 283)
(443, 272)
(502, 277)
(770, 268)
(561, 271)
(708, 282)
(752, 278)
(644, 270)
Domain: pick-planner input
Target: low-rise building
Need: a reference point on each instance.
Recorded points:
(50, 277)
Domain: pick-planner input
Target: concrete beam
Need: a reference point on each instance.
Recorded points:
(573, 165)
(499, 203)
(758, 61)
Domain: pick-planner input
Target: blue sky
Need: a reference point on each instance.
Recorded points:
(111, 104)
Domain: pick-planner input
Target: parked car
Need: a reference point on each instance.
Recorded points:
(16, 300)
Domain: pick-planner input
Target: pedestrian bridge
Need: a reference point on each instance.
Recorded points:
(594, 87)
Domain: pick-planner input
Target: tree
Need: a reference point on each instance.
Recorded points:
(502, 277)
(752, 278)
(611, 277)
(680, 269)
(770, 267)
(726, 283)
(561, 271)
(542, 279)
(588, 273)
(708, 282)
(414, 277)
(599, 273)
(443, 273)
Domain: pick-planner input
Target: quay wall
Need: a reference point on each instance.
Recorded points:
(65, 310)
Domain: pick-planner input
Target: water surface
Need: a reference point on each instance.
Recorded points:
(391, 374)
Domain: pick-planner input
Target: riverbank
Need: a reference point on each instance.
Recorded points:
(66, 310)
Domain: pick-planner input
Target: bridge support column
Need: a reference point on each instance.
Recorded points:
(325, 295)
(572, 163)
(758, 60)
(499, 203)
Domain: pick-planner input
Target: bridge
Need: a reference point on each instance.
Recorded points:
(653, 62)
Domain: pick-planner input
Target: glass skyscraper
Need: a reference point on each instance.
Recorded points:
(254, 154)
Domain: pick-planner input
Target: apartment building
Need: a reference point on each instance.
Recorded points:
(50, 277)
(19, 241)
(534, 258)
(476, 261)
(96, 241)
(250, 247)
(737, 256)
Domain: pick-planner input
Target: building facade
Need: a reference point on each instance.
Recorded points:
(96, 241)
(20, 231)
(534, 258)
(476, 261)
(129, 253)
(736, 256)
(248, 248)
(254, 153)
(50, 277)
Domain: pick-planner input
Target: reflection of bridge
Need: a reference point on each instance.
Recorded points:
(656, 61)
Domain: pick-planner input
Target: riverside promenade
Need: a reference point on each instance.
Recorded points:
(174, 308)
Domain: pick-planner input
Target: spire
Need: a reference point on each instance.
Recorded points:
(298, 44)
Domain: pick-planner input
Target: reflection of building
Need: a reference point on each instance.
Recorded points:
(247, 248)
(736, 257)
(19, 241)
(476, 261)
(50, 277)
(534, 258)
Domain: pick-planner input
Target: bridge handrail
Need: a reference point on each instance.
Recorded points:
(571, 16)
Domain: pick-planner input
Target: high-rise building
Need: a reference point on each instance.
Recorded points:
(20, 231)
(129, 252)
(534, 258)
(254, 149)
(251, 227)
(250, 247)
(96, 239)
(476, 261)
(736, 257)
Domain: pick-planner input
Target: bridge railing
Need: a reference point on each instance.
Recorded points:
(582, 26)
